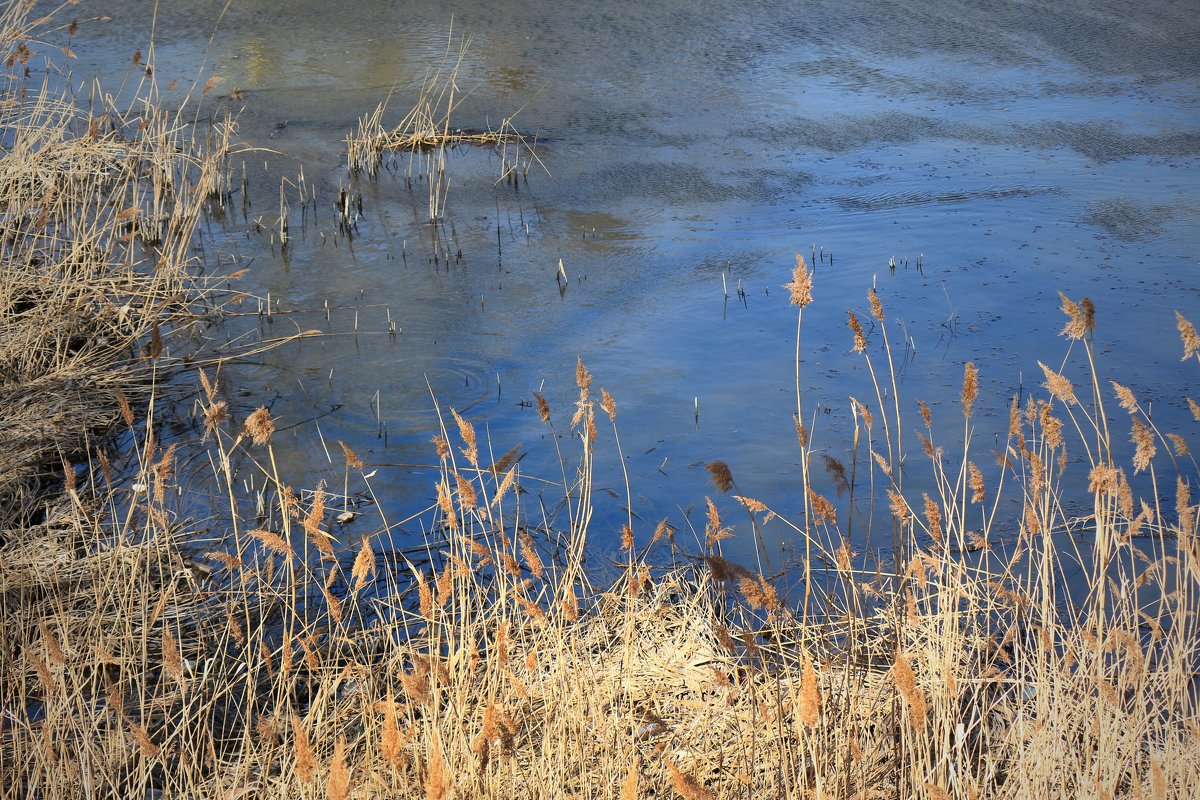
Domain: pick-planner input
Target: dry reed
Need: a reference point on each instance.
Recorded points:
(137, 665)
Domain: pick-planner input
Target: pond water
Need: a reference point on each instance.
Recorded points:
(686, 151)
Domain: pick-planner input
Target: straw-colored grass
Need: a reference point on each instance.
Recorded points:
(427, 132)
(484, 662)
(489, 661)
(97, 213)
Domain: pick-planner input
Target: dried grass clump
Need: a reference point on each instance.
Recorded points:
(427, 132)
(97, 216)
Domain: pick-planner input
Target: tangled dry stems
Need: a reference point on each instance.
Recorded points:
(97, 212)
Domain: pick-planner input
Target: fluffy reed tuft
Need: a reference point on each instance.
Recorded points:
(1187, 332)
(970, 387)
(810, 695)
(543, 408)
(801, 283)
(906, 684)
(337, 785)
(722, 476)
(259, 427)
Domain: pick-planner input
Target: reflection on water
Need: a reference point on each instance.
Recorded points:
(1015, 150)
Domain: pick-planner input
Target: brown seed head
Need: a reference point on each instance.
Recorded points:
(722, 477)
(53, 649)
(755, 506)
(936, 792)
(801, 431)
(583, 378)
(352, 459)
(882, 462)
(570, 605)
(214, 414)
(446, 504)
(274, 542)
(906, 684)
(424, 596)
(259, 426)
(316, 514)
(337, 785)
(810, 695)
(1058, 385)
(899, 505)
(1143, 439)
(608, 404)
(1076, 326)
(863, 412)
(970, 388)
(685, 785)
(1187, 332)
(506, 483)
(759, 593)
(436, 784)
(543, 408)
(626, 537)
(1125, 397)
(714, 532)
(933, 516)
(364, 564)
(529, 552)
(876, 306)
(146, 745)
(1014, 418)
(442, 446)
(926, 415)
(823, 510)
(466, 432)
(1089, 314)
(1051, 425)
(172, 660)
(126, 409)
(801, 285)
(306, 763)
(629, 787)
(467, 499)
(1183, 508)
(976, 483)
(860, 338)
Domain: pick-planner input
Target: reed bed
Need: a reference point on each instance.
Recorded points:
(97, 214)
(264, 651)
(487, 660)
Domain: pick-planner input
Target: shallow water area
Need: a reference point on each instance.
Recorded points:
(995, 155)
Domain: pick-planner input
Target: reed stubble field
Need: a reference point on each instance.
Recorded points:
(142, 656)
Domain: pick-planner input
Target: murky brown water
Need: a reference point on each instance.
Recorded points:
(1018, 149)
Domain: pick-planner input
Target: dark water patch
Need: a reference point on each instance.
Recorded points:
(893, 200)
(1128, 220)
(673, 181)
(1162, 39)
(1104, 141)
(855, 75)
(844, 134)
